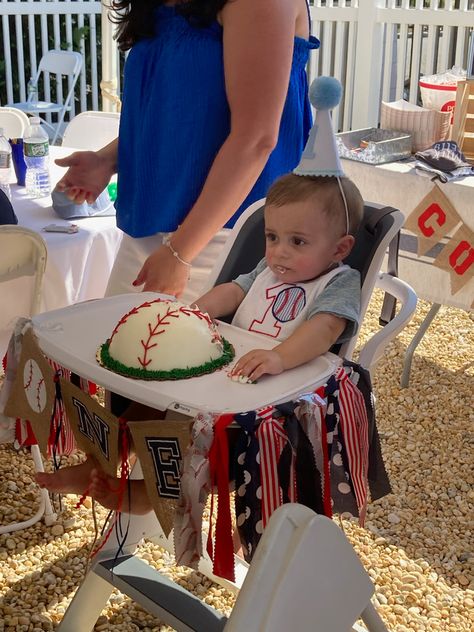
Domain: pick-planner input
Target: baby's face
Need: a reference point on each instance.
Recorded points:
(300, 242)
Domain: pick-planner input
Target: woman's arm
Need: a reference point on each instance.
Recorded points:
(221, 300)
(258, 50)
(89, 172)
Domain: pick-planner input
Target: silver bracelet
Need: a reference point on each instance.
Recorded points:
(167, 242)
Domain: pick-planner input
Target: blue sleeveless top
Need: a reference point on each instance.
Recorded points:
(175, 117)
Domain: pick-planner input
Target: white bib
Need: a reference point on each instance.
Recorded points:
(275, 308)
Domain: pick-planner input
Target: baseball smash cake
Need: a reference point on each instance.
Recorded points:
(165, 340)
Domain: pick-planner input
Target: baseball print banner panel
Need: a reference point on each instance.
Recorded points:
(95, 429)
(33, 392)
(160, 447)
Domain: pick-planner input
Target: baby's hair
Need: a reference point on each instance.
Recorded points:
(324, 190)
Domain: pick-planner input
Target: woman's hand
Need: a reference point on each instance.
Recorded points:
(256, 363)
(88, 174)
(162, 272)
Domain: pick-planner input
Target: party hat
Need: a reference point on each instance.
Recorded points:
(320, 157)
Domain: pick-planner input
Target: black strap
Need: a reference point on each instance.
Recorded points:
(387, 313)
(389, 305)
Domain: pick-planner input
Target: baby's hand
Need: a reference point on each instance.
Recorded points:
(256, 363)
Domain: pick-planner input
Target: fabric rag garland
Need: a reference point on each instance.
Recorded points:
(322, 451)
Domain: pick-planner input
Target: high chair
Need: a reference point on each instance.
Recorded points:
(244, 248)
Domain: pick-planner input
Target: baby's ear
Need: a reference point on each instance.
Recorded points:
(343, 247)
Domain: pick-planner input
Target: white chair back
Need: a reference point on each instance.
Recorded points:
(23, 252)
(61, 63)
(305, 575)
(91, 130)
(13, 121)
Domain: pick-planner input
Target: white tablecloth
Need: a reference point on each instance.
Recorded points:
(78, 264)
(397, 184)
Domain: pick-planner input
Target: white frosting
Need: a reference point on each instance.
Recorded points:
(165, 335)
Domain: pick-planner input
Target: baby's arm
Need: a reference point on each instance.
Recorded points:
(221, 300)
(310, 340)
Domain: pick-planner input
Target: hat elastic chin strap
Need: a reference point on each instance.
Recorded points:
(343, 195)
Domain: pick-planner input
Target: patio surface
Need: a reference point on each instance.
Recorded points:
(417, 544)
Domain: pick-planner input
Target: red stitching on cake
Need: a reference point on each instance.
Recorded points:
(153, 331)
(133, 311)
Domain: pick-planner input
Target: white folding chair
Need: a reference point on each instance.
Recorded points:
(91, 130)
(60, 63)
(23, 253)
(13, 121)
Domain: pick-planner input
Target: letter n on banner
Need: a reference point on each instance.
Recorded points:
(95, 429)
(457, 258)
(160, 447)
(432, 219)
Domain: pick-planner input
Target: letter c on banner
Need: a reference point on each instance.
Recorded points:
(462, 257)
(432, 210)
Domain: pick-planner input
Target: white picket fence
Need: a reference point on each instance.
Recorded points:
(31, 27)
(377, 48)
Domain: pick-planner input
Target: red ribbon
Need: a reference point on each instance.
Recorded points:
(222, 553)
(123, 481)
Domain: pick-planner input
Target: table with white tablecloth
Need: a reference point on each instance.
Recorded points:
(397, 184)
(78, 265)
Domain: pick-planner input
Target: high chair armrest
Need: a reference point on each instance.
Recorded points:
(373, 349)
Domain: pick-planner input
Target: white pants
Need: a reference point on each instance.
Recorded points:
(134, 251)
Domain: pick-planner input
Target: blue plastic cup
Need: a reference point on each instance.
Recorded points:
(18, 159)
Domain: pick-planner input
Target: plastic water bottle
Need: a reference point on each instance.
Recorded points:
(5, 164)
(36, 152)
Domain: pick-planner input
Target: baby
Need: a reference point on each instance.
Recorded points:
(300, 294)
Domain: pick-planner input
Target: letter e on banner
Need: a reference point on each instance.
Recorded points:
(457, 258)
(432, 219)
(160, 446)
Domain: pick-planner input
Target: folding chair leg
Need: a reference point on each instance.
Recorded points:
(87, 604)
(372, 619)
(45, 508)
(49, 513)
(415, 342)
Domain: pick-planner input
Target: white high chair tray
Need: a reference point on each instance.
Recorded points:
(72, 335)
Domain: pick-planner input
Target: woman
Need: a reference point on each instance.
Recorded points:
(214, 110)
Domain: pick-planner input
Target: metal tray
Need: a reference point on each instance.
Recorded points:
(373, 145)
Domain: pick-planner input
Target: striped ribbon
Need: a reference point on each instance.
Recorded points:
(272, 439)
(354, 427)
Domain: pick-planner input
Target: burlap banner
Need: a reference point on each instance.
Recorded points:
(33, 392)
(457, 258)
(160, 446)
(432, 219)
(95, 429)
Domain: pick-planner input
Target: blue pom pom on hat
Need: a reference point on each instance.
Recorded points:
(320, 157)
